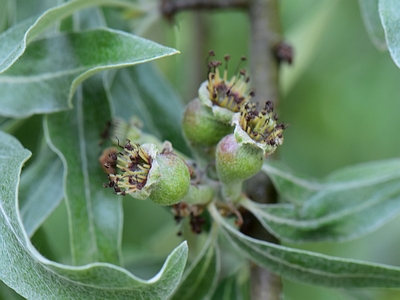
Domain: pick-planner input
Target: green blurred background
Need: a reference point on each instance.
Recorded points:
(341, 98)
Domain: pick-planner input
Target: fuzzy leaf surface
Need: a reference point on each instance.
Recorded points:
(40, 194)
(35, 277)
(95, 213)
(350, 202)
(15, 40)
(310, 267)
(389, 11)
(44, 79)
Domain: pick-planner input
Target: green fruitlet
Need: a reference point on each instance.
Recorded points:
(237, 162)
(200, 126)
(174, 180)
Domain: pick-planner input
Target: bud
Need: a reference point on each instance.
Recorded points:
(143, 173)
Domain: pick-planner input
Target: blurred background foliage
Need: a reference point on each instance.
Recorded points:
(340, 97)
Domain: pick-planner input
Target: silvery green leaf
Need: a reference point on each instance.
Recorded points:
(44, 79)
(33, 276)
(41, 189)
(15, 40)
(349, 203)
(95, 213)
(389, 11)
(310, 267)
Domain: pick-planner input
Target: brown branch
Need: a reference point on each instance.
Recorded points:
(265, 42)
(265, 36)
(169, 7)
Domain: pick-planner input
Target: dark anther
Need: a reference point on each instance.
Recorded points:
(252, 93)
(113, 156)
(128, 145)
(227, 57)
(211, 53)
(284, 53)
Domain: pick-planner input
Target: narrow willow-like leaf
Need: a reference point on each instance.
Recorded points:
(372, 22)
(44, 79)
(297, 189)
(351, 202)
(95, 214)
(332, 216)
(292, 187)
(40, 190)
(140, 90)
(389, 11)
(199, 281)
(310, 267)
(35, 277)
(15, 40)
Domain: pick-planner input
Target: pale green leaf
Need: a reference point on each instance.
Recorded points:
(389, 11)
(297, 188)
(15, 40)
(331, 216)
(199, 281)
(372, 22)
(141, 91)
(310, 267)
(40, 190)
(351, 202)
(95, 214)
(44, 79)
(35, 277)
(291, 186)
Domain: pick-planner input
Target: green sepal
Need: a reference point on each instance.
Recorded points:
(221, 114)
(242, 138)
